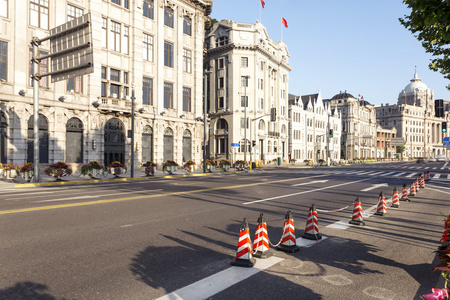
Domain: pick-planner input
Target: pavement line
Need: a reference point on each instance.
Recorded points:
(436, 176)
(411, 175)
(92, 196)
(21, 210)
(375, 186)
(399, 174)
(304, 192)
(438, 190)
(205, 288)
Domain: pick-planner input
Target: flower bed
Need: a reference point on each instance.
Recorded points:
(58, 170)
(92, 169)
(169, 166)
(240, 164)
(189, 166)
(116, 168)
(27, 171)
(149, 168)
(224, 164)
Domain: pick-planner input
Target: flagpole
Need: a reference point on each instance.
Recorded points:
(260, 19)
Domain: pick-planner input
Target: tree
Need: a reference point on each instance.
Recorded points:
(429, 22)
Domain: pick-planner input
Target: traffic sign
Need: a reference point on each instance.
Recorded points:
(235, 145)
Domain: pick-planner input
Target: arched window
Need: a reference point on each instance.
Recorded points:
(187, 145)
(168, 144)
(114, 141)
(147, 143)
(43, 139)
(3, 138)
(74, 141)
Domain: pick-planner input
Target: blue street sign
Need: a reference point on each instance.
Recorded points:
(446, 141)
(234, 144)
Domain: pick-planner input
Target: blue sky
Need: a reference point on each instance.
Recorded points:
(354, 45)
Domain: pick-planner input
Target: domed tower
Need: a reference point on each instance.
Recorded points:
(416, 93)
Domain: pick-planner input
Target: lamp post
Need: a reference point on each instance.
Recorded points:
(247, 77)
(133, 98)
(205, 90)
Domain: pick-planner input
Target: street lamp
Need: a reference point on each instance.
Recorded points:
(247, 77)
(133, 98)
(205, 90)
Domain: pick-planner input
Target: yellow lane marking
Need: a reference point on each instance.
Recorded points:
(14, 211)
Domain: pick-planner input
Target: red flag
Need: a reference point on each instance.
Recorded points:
(263, 3)
(362, 97)
(284, 22)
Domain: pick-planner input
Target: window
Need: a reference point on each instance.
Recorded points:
(186, 99)
(4, 8)
(168, 54)
(244, 101)
(118, 2)
(244, 62)
(187, 25)
(126, 32)
(168, 95)
(73, 12)
(187, 60)
(262, 66)
(118, 84)
(243, 123)
(147, 91)
(3, 59)
(148, 9)
(148, 47)
(221, 102)
(261, 104)
(168, 17)
(222, 41)
(43, 68)
(221, 81)
(114, 36)
(75, 85)
(114, 75)
(104, 33)
(103, 82)
(244, 81)
(39, 13)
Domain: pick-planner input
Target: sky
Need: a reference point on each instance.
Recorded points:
(358, 46)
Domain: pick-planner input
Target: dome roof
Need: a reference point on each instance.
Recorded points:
(342, 96)
(416, 85)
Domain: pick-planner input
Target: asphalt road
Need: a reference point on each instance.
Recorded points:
(175, 238)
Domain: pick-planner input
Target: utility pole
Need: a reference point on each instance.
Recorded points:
(133, 98)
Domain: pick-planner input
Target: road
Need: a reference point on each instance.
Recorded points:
(175, 238)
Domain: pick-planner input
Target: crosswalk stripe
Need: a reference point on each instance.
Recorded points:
(399, 174)
(448, 176)
(388, 174)
(376, 173)
(436, 176)
(411, 175)
(434, 168)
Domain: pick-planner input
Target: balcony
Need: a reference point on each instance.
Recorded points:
(274, 134)
(114, 105)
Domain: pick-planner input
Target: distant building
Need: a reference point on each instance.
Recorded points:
(153, 47)
(385, 148)
(310, 122)
(414, 118)
(358, 126)
(249, 76)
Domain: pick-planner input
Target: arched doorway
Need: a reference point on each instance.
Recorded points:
(43, 140)
(114, 141)
(168, 144)
(186, 146)
(3, 139)
(147, 144)
(74, 141)
(222, 139)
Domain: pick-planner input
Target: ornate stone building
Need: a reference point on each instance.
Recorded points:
(152, 46)
(249, 76)
(358, 126)
(414, 118)
(309, 128)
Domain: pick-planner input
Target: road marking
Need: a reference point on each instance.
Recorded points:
(434, 168)
(375, 186)
(448, 176)
(388, 174)
(436, 176)
(205, 288)
(33, 193)
(376, 173)
(437, 190)
(304, 192)
(92, 196)
(399, 174)
(29, 209)
(311, 182)
(411, 175)
(427, 168)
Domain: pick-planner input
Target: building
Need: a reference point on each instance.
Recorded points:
(248, 79)
(154, 47)
(309, 129)
(359, 126)
(414, 118)
(385, 147)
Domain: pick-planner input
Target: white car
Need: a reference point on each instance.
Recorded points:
(432, 159)
(441, 158)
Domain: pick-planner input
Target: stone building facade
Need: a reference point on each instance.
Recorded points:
(249, 76)
(414, 118)
(309, 129)
(154, 47)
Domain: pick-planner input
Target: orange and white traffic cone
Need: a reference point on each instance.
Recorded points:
(244, 252)
(395, 200)
(422, 181)
(357, 218)
(427, 176)
(261, 241)
(381, 208)
(312, 226)
(288, 241)
(412, 190)
(417, 184)
(404, 196)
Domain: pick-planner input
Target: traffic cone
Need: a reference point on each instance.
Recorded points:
(417, 184)
(427, 176)
(261, 241)
(244, 252)
(381, 208)
(422, 181)
(412, 190)
(312, 226)
(288, 242)
(395, 200)
(404, 193)
(357, 218)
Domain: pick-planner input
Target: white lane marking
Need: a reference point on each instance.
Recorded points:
(340, 225)
(304, 192)
(304, 183)
(205, 288)
(436, 176)
(376, 173)
(399, 174)
(96, 196)
(370, 173)
(434, 168)
(411, 175)
(438, 190)
(305, 243)
(388, 174)
(32, 194)
(427, 168)
(448, 176)
(375, 186)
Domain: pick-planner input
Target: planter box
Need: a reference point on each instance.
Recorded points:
(2, 171)
(210, 168)
(226, 168)
(11, 174)
(171, 169)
